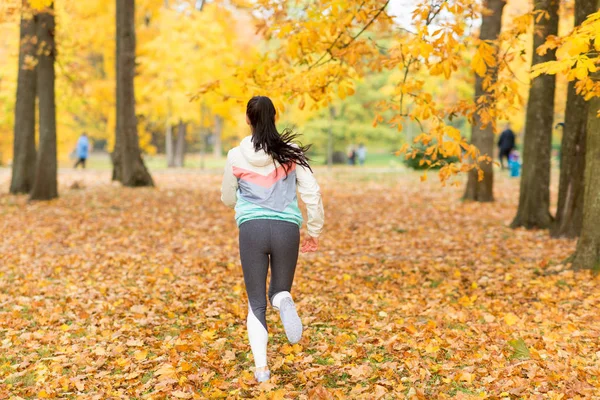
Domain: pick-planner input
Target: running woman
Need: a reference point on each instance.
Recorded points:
(260, 182)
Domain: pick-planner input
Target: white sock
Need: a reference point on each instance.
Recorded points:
(278, 297)
(258, 337)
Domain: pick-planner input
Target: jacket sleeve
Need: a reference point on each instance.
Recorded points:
(229, 186)
(310, 193)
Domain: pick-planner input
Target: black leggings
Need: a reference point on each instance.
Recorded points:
(504, 153)
(80, 161)
(261, 240)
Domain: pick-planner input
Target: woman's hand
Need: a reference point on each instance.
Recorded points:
(310, 245)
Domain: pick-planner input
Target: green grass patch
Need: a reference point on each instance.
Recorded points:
(324, 360)
(562, 283)
(457, 326)
(242, 357)
(44, 352)
(436, 283)
(459, 387)
(520, 350)
(25, 380)
(147, 376)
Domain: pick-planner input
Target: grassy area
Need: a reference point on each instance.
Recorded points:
(373, 160)
(101, 161)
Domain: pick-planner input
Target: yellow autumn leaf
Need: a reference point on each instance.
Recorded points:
(208, 334)
(278, 394)
(478, 65)
(140, 355)
(40, 4)
(466, 377)
(431, 348)
(180, 394)
(510, 319)
(166, 371)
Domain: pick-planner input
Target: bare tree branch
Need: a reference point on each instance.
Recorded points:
(328, 51)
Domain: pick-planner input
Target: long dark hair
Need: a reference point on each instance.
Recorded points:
(281, 147)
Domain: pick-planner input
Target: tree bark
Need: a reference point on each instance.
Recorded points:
(483, 137)
(115, 156)
(534, 197)
(23, 167)
(330, 138)
(169, 146)
(128, 165)
(180, 145)
(202, 135)
(45, 185)
(569, 213)
(218, 143)
(587, 255)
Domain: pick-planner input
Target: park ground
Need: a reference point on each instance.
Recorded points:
(116, 293)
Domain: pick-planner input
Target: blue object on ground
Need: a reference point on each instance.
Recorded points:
(515, 168)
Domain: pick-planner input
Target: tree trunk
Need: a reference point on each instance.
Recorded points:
(218, 146)
(483, 137)
(23, 167)
(569, 213)
(587, 255)
(534, 198)
(202, 135)
(128, 165)
(180, 145)
(45, 185)
(169, 146)
(115, 156)
(330, 138)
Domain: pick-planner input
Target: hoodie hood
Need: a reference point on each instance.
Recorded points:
(256, 158)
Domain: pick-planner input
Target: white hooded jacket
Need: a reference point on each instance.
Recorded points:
(259, 188)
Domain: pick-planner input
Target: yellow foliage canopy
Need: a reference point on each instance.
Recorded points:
(577, 56)
(319, 53)
(177, 53)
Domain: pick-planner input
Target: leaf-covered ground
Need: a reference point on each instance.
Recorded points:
(119, 293)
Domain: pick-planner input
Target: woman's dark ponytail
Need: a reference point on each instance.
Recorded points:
(261, 113)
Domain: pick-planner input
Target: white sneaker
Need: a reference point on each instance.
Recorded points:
(262, 376)
(290, 319)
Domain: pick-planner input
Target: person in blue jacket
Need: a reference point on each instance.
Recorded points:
(83, 149)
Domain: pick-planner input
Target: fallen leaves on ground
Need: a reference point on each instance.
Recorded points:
(118, 293)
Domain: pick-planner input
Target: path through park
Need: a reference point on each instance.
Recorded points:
(110, 292)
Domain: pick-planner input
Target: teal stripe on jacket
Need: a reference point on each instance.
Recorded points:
(247, 211)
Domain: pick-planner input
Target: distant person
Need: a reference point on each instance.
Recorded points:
(83, 149)
(506, 144)
(352, 156)
(361, 153)
(260, 182)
